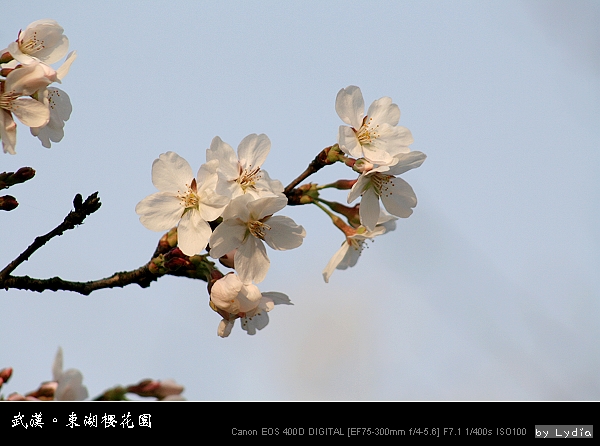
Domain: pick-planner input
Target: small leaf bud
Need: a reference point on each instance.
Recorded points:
(8, 203)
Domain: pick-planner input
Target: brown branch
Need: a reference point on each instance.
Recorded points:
(166, 260)
(326, 157)
(142, 276)
(74, 218)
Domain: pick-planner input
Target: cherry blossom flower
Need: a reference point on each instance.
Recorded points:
(235, 299)
(42, 40)
(375, 136)
(184, 200)
(351, 249)
(20, 83)
(247, 223)
(59, 105)
(70, 383)
(242, 174)
(376, 182)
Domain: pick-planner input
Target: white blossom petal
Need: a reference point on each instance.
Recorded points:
(406, 162)
(369, 209)
(171, 173)
(383, 111)
(238, 208)
(193, 233)
(224, 328)
(160, 211)
(30, 112)
(57, 365)
(348, 142)
(335, 261)
(251, 261)
(266, 206)
(26, 80)
(63, 70)
(226, 237)
(253, 150)
(284, 233)
(276, 298)
(399, 199)
(255, 322)
(358, 188)
(8, 132)
(225, 155)
(350, 106)
(70, 387)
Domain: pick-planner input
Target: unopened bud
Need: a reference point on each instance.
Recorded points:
(175, 263)
(172, 237)
(227, 259)
(24, 174)
(45, 392)
(8, 203)
(5, 57)
(5, 374)
(168, 387)
(306, 199)
(334, 154)
(362, 165)
(156, 265)
(144, 388)
(344, 184)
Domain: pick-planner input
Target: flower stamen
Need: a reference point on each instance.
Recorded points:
(366, 134)
(380, 184)
(190, 199)
(32, 45)
(258, 229)
(248, 177)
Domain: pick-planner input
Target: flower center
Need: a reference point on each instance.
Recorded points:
(248, 177)
(258, 229)
(367, 133)
(33, 45)
(189, 199)
(357, 245)
(381, 183)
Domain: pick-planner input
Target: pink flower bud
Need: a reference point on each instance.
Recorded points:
(227, 259)
(344, 184)
(5, 374)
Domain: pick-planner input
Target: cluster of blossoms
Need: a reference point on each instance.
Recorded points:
(379, 151)
(25, 78)
(228, 208)
(234, 189)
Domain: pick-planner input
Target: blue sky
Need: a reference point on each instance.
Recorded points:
(489, 291)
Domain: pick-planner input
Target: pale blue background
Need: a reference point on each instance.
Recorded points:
(490, 291)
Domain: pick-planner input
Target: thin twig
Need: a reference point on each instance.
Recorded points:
(320, 161)
(74, 218)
